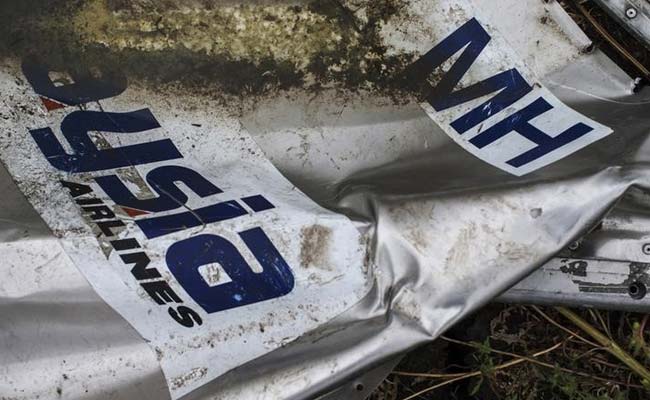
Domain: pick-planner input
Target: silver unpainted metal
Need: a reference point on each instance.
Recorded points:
(604, 284)
(607, 270)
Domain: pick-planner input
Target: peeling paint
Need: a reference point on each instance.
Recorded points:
(638, 273)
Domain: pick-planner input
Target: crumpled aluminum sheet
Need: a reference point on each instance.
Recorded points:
(446, 231)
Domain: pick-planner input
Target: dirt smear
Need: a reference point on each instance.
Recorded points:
(195, 374)
(314, 246)
(239, 49)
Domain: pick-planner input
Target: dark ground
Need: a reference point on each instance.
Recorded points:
(493, 345)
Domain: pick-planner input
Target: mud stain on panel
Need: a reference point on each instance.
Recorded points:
(195, 374)
(458, 255)
(314, 246)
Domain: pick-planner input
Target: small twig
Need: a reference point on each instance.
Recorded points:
(557, 324)
(588, 352)
(540, 363)
(456, 375)
(606, 363)
(505, 353)
(639, 337)
(465, 376)
(441, 384)
(428, 375)
(598, 318)
(517, 360)
(606, 342)
(468, 374)
(644, 321)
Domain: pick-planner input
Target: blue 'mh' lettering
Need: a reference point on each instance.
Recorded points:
(510, 85)
(519, 122)
(247, 287)
(87, 157)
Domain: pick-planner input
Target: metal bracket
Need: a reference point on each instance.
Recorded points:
(634, 15)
